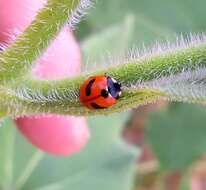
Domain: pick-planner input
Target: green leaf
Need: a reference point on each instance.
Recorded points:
(112, 171)
(177, 135)
(98, 44)
(154, 20)
(146, 26)
(105, 162)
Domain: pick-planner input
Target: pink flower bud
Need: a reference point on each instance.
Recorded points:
(59, 135)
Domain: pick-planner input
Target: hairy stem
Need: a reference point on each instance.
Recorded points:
(62, 97)
(19, 57)
(15, 107)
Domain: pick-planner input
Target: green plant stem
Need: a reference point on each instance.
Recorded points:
(128, 74)
(62, 96)
(15, 107)
(32, 164)
(18, 59)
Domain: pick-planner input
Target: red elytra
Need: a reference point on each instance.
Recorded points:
(100, 92)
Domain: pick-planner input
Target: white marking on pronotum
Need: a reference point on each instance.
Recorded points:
(80, 12)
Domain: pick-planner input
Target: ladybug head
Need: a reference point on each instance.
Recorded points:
(114, 87)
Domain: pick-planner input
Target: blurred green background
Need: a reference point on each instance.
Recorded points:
(176, 134)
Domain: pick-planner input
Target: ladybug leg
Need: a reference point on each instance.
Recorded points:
(96, 106)
(105, 74)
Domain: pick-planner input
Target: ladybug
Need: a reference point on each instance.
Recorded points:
(100, 92)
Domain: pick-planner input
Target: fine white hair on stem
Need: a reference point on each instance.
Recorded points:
(138, 55)
(38, 96)
(80, 12)
(188, 85)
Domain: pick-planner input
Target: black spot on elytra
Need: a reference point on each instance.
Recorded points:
(96, 106)
(104, 93)
(89, 86)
